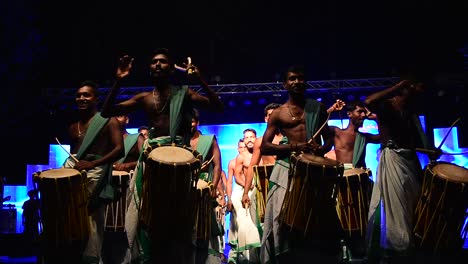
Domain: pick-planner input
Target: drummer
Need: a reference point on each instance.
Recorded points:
(350, 149)
(210, 250)
(257, 156)
(399, 173)
(96, 144)
(299, 119)
(350, 140)
(169, 110)
(115, 243)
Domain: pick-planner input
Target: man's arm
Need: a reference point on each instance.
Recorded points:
(239, 176)
(123, 70)
(374, 98)
(371, 138)
(211, 101)
(231, 168)
(216, 165)
(256, 158)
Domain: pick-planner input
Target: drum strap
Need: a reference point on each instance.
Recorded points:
(359, 147)
(97, 123)
(203, 147)
(177, 99)
(312, 109)
(129, 142)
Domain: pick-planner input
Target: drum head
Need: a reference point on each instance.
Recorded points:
(120, 173)
(451, 172)
(59, 173)
(312, 159)
(171, 155)
(355, 171)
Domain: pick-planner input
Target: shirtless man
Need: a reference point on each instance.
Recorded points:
(302, 121)
(346, 140)
(243, 234)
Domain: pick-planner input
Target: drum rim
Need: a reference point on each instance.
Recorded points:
(434, 169)
(358, 171)
(44, 174)
(196, 155)
(332, 163)
(120, 173)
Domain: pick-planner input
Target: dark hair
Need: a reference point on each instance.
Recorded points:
(142, 127)
(251, 130)
(296, 69)
(94, 86)
(270, 106)
(163, 51)
(353, 104)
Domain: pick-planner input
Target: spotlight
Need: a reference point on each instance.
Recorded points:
(262, 101)
(247, 102)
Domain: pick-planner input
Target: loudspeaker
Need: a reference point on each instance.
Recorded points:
(7, 220)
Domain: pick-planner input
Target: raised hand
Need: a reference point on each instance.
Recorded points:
(337, 106)
(188, 67)
(125, 64)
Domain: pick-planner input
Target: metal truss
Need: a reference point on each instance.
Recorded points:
(229, 90)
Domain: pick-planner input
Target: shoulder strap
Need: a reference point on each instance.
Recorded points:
(312, 109)
(359, 147)
(97, 123)
(129, 142)
(177, 98)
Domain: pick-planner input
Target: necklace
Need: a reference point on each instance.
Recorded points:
(80, 133)
(293, 117)
(156, 105)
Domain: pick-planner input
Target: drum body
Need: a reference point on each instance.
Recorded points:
(64, 212)
(203, 211)
(169, 181)
(115, 211)
(353, 199)
(261, 180)
(309, 203)
(442, 208)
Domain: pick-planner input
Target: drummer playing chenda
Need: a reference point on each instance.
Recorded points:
(302, 121)
(157, 103)
(350, 149)
(169, 112)
(398, 180)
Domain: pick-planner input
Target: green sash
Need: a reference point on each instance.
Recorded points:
(177, 99)
(97, 123)
(129, 142)
(312, 109)
(359, 147)
(203, 147)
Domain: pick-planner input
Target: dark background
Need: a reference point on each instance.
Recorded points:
(48, 47)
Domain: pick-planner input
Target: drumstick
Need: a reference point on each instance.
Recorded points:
(73, 157)
(206, 163)
(188, 70)
(320, 129)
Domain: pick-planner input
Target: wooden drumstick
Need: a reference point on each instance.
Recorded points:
(320, 129)
(73, 157)
(188, 70)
